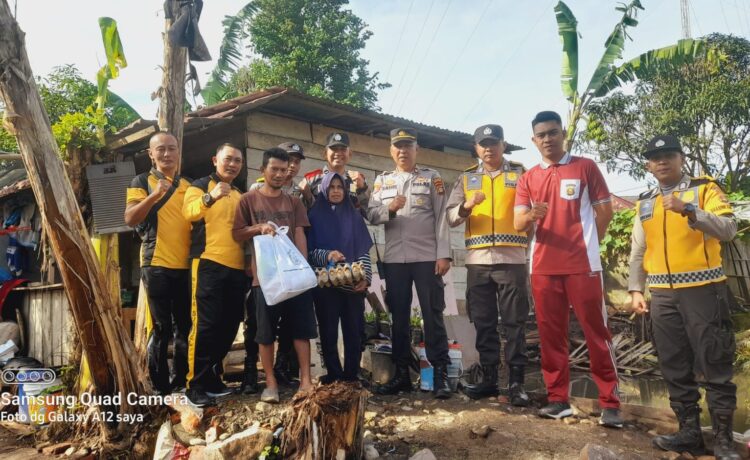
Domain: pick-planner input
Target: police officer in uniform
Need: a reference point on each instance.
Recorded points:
(154, 208)
(219, 282)
(676, 249)
(285, 364)
(338, 153)
(410, 201)
(483, 198)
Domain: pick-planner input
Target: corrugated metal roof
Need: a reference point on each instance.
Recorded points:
(294, 104)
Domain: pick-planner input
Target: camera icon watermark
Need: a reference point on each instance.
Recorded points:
(20, 376)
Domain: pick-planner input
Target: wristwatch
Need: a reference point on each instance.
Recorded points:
(208, 200)
(688, 209)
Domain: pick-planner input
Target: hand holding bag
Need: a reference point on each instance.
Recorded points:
(283, 272)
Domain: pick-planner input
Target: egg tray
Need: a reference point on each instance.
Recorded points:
(340, 274)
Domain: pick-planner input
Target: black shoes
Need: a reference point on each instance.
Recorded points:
(487, 385)
(517, 395)
(199, 398)
(218, 389)
(555, 410)
(723, 435)
(441, 390)
(249, 385)
(689, 437)
(401, 381)
(611, 418)
(281, 370)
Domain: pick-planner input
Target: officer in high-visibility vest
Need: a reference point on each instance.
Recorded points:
(676, 249)
(483, 197)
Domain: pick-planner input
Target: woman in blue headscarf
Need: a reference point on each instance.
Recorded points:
(338, 234)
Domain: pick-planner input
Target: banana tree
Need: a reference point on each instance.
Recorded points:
(230, 54)
(608, 76)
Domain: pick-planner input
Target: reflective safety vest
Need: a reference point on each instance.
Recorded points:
(491, 221)
(678, 256)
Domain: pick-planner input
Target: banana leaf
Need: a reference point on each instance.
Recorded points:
(115, 58)
(614, 45)
(230, 54)
(567, 28)
(684, 52)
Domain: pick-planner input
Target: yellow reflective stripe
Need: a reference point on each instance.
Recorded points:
(194, 317)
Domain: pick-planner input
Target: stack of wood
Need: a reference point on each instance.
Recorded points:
(633, 356)
(326, 422)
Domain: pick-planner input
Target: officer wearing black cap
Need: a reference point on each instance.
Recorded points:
(676, 250)
(483, 198)
(410, 201)
(338, 153)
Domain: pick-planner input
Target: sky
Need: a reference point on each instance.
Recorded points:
(456, 64)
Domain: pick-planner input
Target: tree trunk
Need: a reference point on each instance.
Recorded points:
(326, 422)
(103, 338)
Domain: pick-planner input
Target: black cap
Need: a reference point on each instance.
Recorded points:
(403, 134)
(293, 148)
(335, 139)
(484, 132)
(662, 144)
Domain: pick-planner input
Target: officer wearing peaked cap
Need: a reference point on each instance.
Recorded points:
(338, 153)
(676, 250)
(483, 198)
(410, 202)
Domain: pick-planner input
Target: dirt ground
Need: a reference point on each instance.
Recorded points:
(402, 425)
(458, 428)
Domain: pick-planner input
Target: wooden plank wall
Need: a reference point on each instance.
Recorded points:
(47, 315)
(370, 156)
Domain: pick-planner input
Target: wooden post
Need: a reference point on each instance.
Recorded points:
(172, 91)
(108, 349)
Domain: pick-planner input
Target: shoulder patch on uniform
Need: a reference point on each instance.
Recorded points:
(702, 180)
(313, 173)
(472, 168)
(647, 194)
(516, 165)
(140, 181)
(437, 182)
(260, 180)
(202, 183)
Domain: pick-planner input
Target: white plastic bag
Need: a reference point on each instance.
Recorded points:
(282, 271)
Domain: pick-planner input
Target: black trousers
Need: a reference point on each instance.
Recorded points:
(492, 290)
(693, 335)
(251, 327)
(431, 294)
(168, 292)
(331, 307)
(217, 310)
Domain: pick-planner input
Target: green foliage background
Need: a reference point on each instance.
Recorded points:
(705, 103)
(68, 99)
(310, 45)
